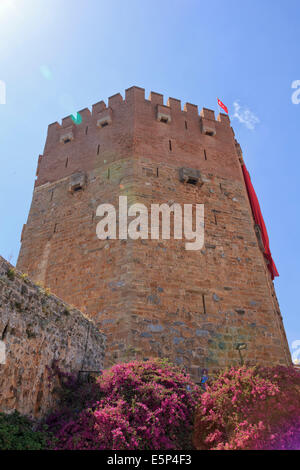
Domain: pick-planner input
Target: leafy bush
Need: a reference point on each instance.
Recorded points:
(254, 408)
(17, 433)
(150, 405)
(138, 405)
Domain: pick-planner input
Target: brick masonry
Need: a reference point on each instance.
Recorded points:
(37, 328)
(152, 297)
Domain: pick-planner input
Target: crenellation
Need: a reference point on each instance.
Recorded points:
(85, 115)
(134, 94)
(174, 104)
(101, 115)
(52, 135)
(115, 100)
(98, 107)
(54, 126)
(67, 122)
(156, 98)
(191, 109)
(206, 113)
(223, 118)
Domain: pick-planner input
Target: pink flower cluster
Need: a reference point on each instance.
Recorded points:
(250, 408)
(155, 405)
(137, 405)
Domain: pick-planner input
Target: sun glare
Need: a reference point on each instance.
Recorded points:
(7, 6)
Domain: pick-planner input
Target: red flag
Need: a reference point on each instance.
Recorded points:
(222, 105)
(259, 220)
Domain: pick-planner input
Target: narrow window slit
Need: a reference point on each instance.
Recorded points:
(98, 149)
(185, 123)
(4, 333)
(55, 227)
(215, 216)
(157, 172)
(205, 156)
(86, 130)
(67, 161)
(203, 301)
(170, 145)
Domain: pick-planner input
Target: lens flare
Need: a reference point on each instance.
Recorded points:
(76, 118)
(46, 72)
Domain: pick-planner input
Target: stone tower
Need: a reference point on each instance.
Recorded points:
(153, 297)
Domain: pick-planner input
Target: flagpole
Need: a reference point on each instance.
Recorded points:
(219, 105)
(220, 108)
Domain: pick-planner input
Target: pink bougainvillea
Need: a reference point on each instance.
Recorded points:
(138, 405)
(250, 408)
(154, 405)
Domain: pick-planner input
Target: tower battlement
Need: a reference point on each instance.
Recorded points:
(152, 297)
(135, 95)
(98, 130)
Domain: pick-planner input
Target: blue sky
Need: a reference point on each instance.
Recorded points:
(59, 56)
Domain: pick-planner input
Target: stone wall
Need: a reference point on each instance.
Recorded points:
(36, 328)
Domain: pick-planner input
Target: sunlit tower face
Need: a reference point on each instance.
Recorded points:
(153, 299)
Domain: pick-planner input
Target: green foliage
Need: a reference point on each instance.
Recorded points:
(11, 273)
(17, 433)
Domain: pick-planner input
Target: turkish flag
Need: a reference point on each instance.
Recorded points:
(222, 105)
(259, 220)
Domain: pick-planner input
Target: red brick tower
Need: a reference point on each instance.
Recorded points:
(153, 297)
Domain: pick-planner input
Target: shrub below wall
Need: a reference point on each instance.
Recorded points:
(137, 405)
(254, 408)
(152, 405)
(17, 433)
